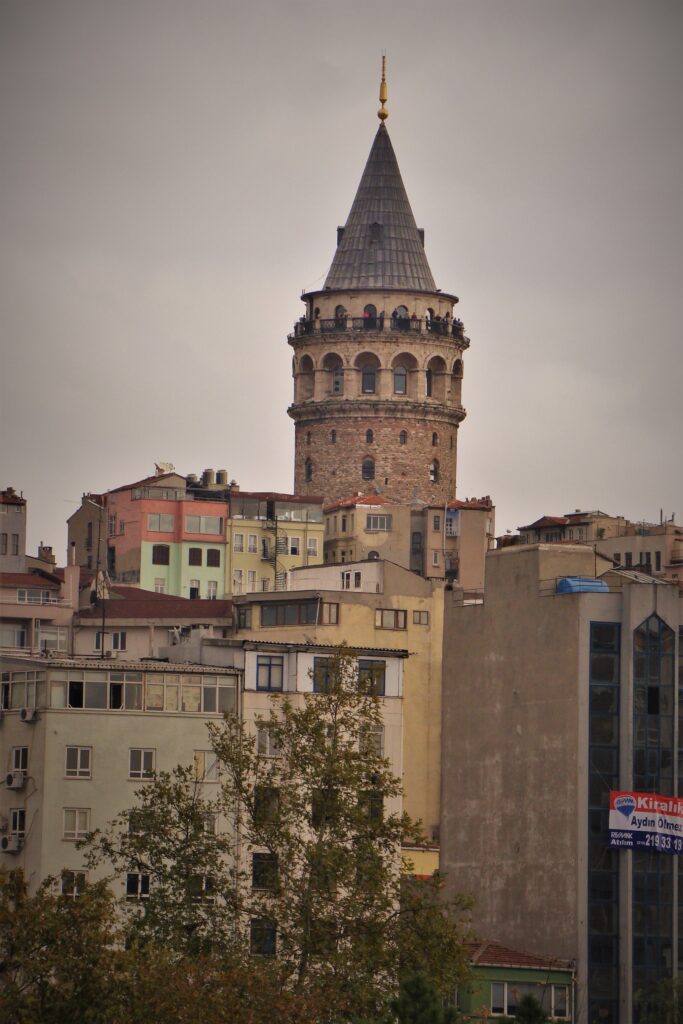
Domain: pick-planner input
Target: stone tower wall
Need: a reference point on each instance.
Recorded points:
(333, 412)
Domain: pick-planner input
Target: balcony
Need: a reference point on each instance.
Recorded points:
(358, 324)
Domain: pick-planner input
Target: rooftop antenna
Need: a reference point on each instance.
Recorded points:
(382, 113)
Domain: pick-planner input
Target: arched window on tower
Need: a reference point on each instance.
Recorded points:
(429, 383)
(308, 437)
(373, 556)
(333, 437)
(434, 471)
(308, 471)
(370, 317)
(368, 380)
(400, 380)
(369, 437)
(403, 437)
(340, 318)
(368, 469)
(435, 439)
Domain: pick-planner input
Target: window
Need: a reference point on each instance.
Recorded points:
(137, 886)
(3, 543)
(76, 822)
(158, 523)
(141, 763)
(368, 380)
(372, 675)
(78, 763)
(312, 547)
(403, 437)
(159, 586)
(161, 554)
(204, 524)
(269, 671)
(373, 523)
(212, 590)
(266, 744)
(428, 383)
(420, 618)
(19, 760)
(400, 380)
(205, 766)
(308, 471)
(202, 889)
(17, 822)
(333, 437)
(252, 544)
(330, 614)
(194, 556)
(262, 937)
(338, 380)
(436, 523)
(238, 542)
(294, 545)
(264, 871)
(303, 613)
(194, 589)
(629, 560)
(416, 543)
(507, 995)
(435, 559)
(266, 805)
(435, 440)
(213, 558)
(321, 675)
(244, 617)
(369, 437)
(658, 561)
(371, 803)
(434, 472)
(343, 524)
(118, 641)
(251, 581)
(72, 883)
(15, 543)
(390, 618)
(371, 741)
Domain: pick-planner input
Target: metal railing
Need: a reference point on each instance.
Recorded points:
(403, 324)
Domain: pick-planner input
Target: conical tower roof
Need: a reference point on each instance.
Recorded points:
(381, 246)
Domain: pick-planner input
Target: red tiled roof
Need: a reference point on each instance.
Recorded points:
(493, 954)
(38, 578)
(160, 606)
(11, 499)
(546, 521)
(484, 504)
(120, 590)
(360, 499)
(145, 480)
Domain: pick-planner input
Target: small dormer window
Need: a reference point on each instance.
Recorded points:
(375, 232)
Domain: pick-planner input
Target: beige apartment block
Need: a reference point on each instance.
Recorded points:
(79, 738)
(37, 609)
(376, 606)
(12, 531)
(443, 542)
(559, 686)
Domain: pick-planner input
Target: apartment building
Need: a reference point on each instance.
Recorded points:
(37, 609)
(443, 542)
(79, 737)
(12, 531)
(198, 538)
(559, 688)
(379, 607)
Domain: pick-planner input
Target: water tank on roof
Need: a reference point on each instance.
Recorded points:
(222, 477)
(581, 585)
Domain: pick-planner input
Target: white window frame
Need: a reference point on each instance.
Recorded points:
(118, 640)
(252, 544)
(205, 766)
(81, 823)
(83, 769)
(294, 546)
(237, 581)
(377, 524)
(159, 585)
(19, 760)
(265, 744)
(251, 581)
(212, 590)
(141, 885)
(238, 542)
(17, 822)
(312, 547)
(436, 560)
(72, 882)
(147, 762)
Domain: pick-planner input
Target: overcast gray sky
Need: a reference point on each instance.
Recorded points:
(172, 176)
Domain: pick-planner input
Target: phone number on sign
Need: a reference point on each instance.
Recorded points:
(660, 842)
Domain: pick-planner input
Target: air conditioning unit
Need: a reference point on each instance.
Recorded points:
(15, 780)
(111, 654)
(28, 715)
(11, 844)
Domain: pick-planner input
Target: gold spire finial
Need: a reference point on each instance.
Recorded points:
(382, 113)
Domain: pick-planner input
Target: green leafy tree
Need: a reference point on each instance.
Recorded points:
(419, 1003)
(530, 1011)
(320, 880)
(662, 1003)
(175, 858)
(60, 957)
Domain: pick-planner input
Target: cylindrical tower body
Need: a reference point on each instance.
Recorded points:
(377, 403)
